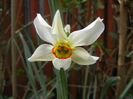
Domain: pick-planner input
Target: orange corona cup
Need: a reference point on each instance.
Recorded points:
(62, 51)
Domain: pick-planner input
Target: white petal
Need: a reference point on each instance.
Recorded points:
(82, 57)
(42, 53)
(43, 29)
(57, 27)
(62, 63)
(87, 35)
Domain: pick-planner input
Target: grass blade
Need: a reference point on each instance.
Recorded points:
(39, 76)
(95, 88)
(109, 82)
(126, 89)
(86, 75)
(52, 7)
(29, 68)
(89, 91)
(85, 82)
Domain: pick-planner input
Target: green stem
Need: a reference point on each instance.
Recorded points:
(86, 75)
(62, 92)
(85, 82)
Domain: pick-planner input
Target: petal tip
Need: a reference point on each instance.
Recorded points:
(100, 19)
(102, 24)
(57, 13)
(38, 14)
(29, 59)
(96, 58)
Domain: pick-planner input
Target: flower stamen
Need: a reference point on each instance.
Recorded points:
(62, 51)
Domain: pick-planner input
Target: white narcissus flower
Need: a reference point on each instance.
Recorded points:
(63, 49)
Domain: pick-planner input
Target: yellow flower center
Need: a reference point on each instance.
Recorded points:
(62, 51)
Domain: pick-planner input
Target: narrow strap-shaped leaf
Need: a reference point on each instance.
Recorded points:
(89, 90)
(32, 65)
(126, 89)
(28, 68)
(85, 82)
(86, 75)
(52, 8)
(95, 87)
(1, 97)
(58, 4)
(109, 82)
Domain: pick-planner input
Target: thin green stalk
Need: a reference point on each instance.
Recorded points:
(130, 84)
(85, 82)
(86, 75)
(89, 90)
(62, 91)
(95, 88)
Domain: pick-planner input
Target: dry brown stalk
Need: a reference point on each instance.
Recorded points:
(121, 49)
(13, 56)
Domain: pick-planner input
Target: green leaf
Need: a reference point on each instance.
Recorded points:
(32, 67)
(20, 71)
(99, 42)
(29, 68)
(95, 88)
(99, 4)
(128, 53)
(1, 97)
(114, 35)
(130, 84)
(76, 66)
(86, 74)
(89, 91)
(58, 4)
(107, 50)
(52, 8)
(84, 1)
(108, 83)
(64, 1)
(85, 81)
